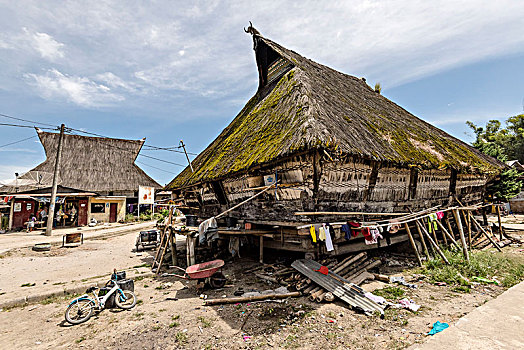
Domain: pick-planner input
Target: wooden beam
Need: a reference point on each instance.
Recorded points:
(486, 234)
(461, 233)
(413, 245)
(446, 233)
(434, 244)
(261, 260)
(501, 230)
(309, 213)
(421, 237)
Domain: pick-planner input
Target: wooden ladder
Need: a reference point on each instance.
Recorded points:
(164, 243)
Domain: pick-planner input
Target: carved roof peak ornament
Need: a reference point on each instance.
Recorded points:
(252, 30)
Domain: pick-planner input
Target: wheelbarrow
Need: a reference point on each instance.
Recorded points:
(203, 272)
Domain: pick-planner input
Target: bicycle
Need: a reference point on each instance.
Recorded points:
(81, 309)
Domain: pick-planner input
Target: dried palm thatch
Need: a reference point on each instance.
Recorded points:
(95, 163)
(313, 107)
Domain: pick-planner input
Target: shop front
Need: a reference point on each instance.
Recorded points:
(107, 208)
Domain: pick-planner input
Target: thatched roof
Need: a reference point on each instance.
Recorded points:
(311, 106)
(95, 163)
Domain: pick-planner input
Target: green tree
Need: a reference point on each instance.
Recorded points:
(504, 144)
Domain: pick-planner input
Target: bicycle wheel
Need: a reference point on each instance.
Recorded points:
(125, 299)
(79, 311)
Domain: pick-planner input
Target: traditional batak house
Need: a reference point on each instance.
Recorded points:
(98, 177)
(333, 144)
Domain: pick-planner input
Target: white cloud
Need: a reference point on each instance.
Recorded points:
(79, 90)
(170, 49)
(47, 46)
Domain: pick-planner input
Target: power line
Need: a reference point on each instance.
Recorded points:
(27, 121)
(12, 143)
(128, 150)
(154, 167)
(72, 131)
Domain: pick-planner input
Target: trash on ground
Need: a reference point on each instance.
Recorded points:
(438, 327)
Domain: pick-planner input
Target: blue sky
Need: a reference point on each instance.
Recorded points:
(171, 70)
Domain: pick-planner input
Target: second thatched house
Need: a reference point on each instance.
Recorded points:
(98, 179)
(333, 144)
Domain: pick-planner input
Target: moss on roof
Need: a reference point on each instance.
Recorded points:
(313, 105)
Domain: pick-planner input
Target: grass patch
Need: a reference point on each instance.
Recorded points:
(390, 293)
(28, 285)
(143, 265)
(80, 340)
(181, 338)
(205, 322)
(508, 268)
(139, 302)
(461, 289)
(174, 324)
(175, 317)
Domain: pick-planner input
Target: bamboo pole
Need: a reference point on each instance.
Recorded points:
(421, 236)
(172, 238)
(413, 245)
(466, 216)
(487, 235)
(446, 233)
(251, 298)
(461, 233)
(448, 224)
(435, 245)
(501, 230)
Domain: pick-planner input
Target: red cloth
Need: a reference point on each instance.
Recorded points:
(367, 234)
(323, 270)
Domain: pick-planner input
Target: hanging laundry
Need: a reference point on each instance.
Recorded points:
(313, 234)
(393, 226)
(440, 215)
(322, 234)
(347, 231)
(432, 224)
(366, 234)
(374, 235)
(355, 228)
(207, 225)
(329, 242)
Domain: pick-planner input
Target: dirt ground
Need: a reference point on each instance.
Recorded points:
(161, 323)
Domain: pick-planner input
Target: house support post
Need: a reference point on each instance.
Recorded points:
(501, 230)
(261, 249)
(413, 245)
(456, 214)
(434, 244)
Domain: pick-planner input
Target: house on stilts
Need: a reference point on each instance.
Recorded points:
(332, 144)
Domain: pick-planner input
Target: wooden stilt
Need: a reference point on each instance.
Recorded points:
(434, 244)
(466, 215)
(421, 236)
(446, 233)
(172, 239)
(501, 230)
(448, 224)
(461, 233)
(487, 235)
(413, 245)
(261, 249)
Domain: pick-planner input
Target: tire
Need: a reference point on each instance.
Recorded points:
(79, 311)
(217, 280)
(128, 303)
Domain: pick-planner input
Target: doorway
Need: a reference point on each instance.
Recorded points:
(112, 211)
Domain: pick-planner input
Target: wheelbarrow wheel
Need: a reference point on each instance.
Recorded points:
(217, 280)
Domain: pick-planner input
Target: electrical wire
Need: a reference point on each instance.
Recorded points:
(12, 143)
(25, 120)
(154, 167)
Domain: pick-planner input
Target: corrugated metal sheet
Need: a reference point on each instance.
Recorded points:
(340, 287)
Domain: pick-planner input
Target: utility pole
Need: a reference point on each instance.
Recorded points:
(51, 214)
(184, 147)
